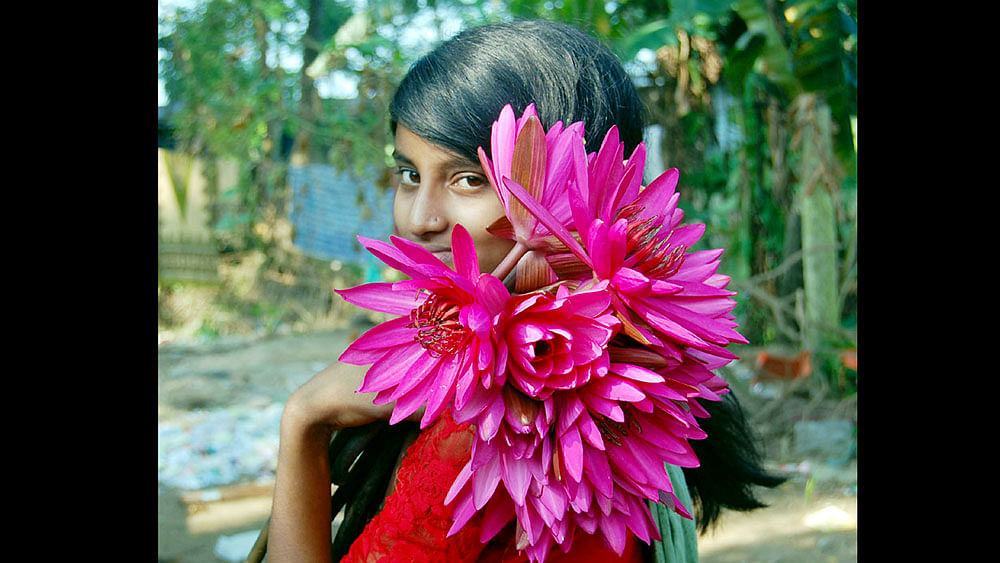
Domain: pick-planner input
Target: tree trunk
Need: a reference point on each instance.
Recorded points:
(818, 176)
(305, 149)
(271, 144)
(777, 140)
(742, 257)
(268, 172)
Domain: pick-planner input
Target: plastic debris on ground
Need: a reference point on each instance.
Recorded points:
(804, 467)
(235, 547)
(208, 448)
(830, 519)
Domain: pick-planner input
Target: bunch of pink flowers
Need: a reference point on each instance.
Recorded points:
(582, 383)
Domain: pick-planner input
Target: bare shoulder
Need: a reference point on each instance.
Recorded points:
(331, 398)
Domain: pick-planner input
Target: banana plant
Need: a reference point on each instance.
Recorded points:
(808, 49)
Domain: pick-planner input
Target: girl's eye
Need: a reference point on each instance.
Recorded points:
(470, 183)
(408, 177)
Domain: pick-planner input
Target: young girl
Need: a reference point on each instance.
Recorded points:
(441, 113)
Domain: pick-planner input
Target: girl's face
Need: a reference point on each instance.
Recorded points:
(437, 189)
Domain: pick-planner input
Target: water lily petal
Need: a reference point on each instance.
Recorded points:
(572, 452)
(459, 483)
(502, 227)
(502, 148)
(476, 318)
(379, 296)
(600, 250)
(603, 171)
(590, 432)
(489, 422)
(665, 324)
(617, 389)
(391, 368)
(423, 368)
(705, 328)
(516, 478)
(499, 511)
(599, 405)
(613, 530)
(533, 271)
(528, 170)
(372, 345)
(659, 194)
(492, 293)
(393, 257)
(408, 404)
(442, 387)
(631, 281)
(463, 253)
(579, 189)
(554, 226)
(485, 481)
(463, 512)
(637, 373)
(613, 200)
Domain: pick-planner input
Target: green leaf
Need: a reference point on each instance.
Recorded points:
(740, 62)
(652, 35)
(775, 61)
(685, 10)
(660, 32)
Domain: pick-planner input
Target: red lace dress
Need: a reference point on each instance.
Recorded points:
(414, 523)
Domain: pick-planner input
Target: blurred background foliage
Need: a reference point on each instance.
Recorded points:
(755, 102)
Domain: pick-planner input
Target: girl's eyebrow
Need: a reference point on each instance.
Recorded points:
(398, 156)
(453, 162)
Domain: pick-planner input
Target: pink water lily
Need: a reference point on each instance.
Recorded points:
(691, 376)
(617, 433)
(554, 343)
(666, 297)
(547, 342)
(433, 352)
(542, 163)
(559, 449)
(587, 458)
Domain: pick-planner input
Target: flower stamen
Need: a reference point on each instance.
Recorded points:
(655, 257)
(613, 431)
(439, 330)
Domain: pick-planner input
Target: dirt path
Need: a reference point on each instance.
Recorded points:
(810, 518)
(793, 528)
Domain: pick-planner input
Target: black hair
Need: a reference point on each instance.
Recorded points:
(731, 463)
(452, 95)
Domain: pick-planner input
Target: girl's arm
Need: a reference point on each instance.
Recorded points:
(300, 514)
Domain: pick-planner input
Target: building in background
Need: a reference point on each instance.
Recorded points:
(329, 209)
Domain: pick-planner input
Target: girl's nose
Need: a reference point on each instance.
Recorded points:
(427, 217)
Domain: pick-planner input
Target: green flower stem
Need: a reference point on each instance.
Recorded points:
(511, 260)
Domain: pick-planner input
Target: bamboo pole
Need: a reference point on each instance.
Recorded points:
(260, 546)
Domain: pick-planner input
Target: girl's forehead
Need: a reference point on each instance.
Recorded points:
(415, 149)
